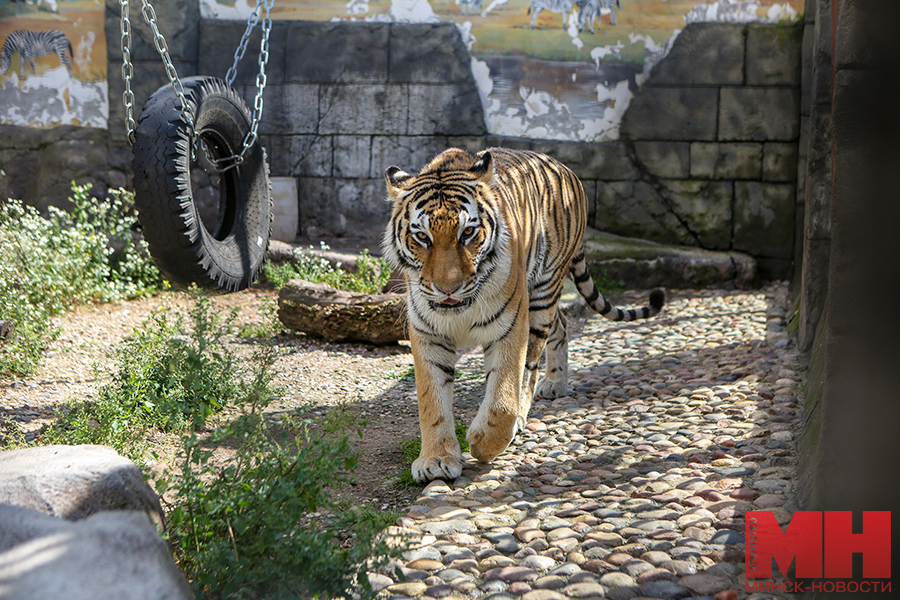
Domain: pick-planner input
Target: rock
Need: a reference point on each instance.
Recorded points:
(378, 581)
(646, 264)
(704, 584)
(338, 315)
(75, 482)
(543, 594)
(769, 501)
(447, 527)
(584, 590)
(616, 579)
(538, 562)
(727, 537)
(773, 486)
(408, 588)
(667, 590)
(109, 554)
(425, 564)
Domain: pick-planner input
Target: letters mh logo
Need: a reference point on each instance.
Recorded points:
(823, 544)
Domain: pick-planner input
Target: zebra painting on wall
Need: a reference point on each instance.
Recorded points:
(559, 6)
(469, 7)
(588, 10)
(32, 44)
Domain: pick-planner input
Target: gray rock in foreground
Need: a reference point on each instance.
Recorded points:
(108, 555)
(75, 482)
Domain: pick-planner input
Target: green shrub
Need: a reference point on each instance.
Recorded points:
(48, 264)
(372, 272)
(169, 376)
(254, 527)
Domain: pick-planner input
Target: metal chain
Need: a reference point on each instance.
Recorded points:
(187, 111)
(127, 72)
(223, 164)
(242, 46)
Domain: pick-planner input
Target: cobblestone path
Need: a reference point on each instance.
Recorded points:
(635, 484)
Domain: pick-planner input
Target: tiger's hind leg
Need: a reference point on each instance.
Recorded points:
(556, 375)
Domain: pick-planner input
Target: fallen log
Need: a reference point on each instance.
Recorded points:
(321, 311)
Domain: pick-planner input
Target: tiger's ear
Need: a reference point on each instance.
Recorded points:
(395, 177)
(483, 167)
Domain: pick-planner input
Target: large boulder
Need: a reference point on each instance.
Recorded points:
(338, 315)
(75, 482)
(107, 555)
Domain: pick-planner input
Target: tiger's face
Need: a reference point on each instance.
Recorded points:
(441, 232)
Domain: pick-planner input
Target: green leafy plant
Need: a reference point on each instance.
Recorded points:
(407, 375)
(607, 285)
(171, 375)
(372, 273)
(255, 525)
(50, 263)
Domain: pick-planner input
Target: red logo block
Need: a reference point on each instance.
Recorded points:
(822, 543)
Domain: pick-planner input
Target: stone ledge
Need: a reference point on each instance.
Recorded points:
(645, 264)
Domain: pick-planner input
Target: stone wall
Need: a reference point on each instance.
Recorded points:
(39, 164)
(713, 135)
(345, 101)
(707, 156)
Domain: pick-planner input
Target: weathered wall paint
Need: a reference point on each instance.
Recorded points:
(568, 74)
(53, 92)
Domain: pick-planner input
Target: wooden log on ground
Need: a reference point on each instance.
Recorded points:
(321, 311)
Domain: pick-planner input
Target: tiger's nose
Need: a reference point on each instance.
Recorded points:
(447, 291)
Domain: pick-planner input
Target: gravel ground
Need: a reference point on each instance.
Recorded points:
(635, 484)
(632, 485)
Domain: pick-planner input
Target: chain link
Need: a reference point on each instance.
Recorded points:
(242, 46)
(127, 72)
(222, 164)
(159, 41)
(228, 162)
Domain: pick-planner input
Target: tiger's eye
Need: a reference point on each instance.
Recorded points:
(421, 236)
(468, 231)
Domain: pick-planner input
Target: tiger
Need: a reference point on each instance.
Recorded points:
(485, 242)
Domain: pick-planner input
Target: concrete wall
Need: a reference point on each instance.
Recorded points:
(850, 284)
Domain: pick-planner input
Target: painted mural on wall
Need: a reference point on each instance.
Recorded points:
(53, 63)
(546, 69)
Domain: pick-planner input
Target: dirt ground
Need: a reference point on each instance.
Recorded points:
(311, 375)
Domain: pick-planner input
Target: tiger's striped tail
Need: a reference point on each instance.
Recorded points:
(585, 284)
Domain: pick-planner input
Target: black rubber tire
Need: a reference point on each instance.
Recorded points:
(228, 254)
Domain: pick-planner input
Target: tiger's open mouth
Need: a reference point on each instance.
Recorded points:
(451, 304)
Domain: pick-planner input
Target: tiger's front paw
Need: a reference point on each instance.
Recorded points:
(488, 440)
(427, 468)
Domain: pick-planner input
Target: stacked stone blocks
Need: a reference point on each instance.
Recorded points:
(714, 136)
(345, 101)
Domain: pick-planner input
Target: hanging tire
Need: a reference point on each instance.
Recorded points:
(222, 244)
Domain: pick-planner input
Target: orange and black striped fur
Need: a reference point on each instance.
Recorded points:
(485, 242)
